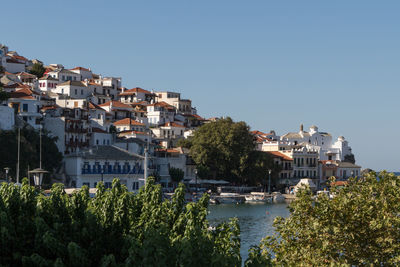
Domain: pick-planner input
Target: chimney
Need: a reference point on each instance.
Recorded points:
(301, 127)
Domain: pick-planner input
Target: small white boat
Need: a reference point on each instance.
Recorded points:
(229, 198)
(257, 197)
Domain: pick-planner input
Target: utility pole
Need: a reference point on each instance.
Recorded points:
(40, 146)
(19, 145)
(145, 166)
(269, 181)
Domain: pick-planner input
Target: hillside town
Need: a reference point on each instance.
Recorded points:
(106, 129)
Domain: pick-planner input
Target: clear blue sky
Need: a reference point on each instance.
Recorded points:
(273, 64)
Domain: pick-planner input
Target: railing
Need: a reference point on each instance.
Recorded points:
(134, 171)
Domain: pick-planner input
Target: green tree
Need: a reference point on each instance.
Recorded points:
(176, 174)
(29, 154)
(256, 172)
(359, 226)
(114, 228)
(4, 96)
(38, 70)
(184, 142)
(224, 147)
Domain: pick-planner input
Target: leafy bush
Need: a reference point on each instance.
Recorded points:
(114, 228)
(359, 226)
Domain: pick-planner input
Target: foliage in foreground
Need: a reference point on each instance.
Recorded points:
(359, 226)
(115, 228)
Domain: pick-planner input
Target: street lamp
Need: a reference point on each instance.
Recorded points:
(7, 169)
(195, 177)
(352, 174)
(269, 181)
(38, 176)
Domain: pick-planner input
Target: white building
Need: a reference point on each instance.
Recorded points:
(111, 86)
(6, 118)
(169, 130)
(100, 137)
(74, 89)
(160, 113)
(26, 105)
(104, 163)
(135, 95)
(64, 75)
(128, 124)
(117, 109)
(83, 72)
(174, 99)
(48, 84)
(313, 140)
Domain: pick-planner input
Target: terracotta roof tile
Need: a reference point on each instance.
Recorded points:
(127, 122)
(280, 155)
(116, 104)
(172, 124)
(135, 90)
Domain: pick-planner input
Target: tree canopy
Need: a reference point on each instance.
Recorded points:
(114, 228)
(223, 146)
(3, 94)
(29, 154)
(176, 174)
(225, 149)
(359, 226)
(38, 70)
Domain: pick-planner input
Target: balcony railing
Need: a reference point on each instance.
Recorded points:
(122, 171)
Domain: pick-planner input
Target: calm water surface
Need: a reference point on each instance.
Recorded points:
(255, 220)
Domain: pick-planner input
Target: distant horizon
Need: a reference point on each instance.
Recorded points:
(274, 65)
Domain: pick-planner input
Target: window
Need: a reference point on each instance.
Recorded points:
(74, 78)
(97, 141)
(135, 186)
(87, 184)
(107, 185)
(25, 107)
(81, 91)
(76, 91)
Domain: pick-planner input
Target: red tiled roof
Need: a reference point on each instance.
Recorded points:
(26, 74)
(80, 68)
(127, 122)
(49, 107)
(280, 155)
(94, 106)
(135, 90)
(162, 104)
(17, 85)
(20, 57)
(172, 124)
(115, 104)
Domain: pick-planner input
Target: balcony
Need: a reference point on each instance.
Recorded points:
(112, 171)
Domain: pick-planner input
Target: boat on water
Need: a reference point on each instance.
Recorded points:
(230, 198)
(257, 197)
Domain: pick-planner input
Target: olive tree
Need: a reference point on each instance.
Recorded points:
(360, 225)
